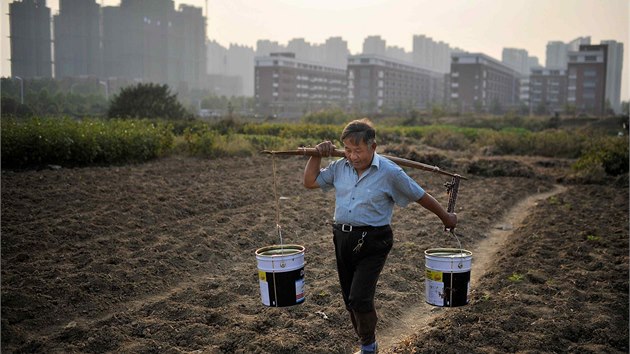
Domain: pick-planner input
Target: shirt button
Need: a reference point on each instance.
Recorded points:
(350, 211)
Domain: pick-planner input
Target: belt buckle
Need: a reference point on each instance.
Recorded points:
(343, 228)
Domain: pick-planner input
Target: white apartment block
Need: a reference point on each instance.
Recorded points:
(374, 45)
(431, 55)
(378, 84)
(557, 52)
(288, 87)
(517, 59)
(614, 69)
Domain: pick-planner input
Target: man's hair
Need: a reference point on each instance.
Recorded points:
(359, 130)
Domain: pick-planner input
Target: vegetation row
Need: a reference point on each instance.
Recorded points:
(69, 142)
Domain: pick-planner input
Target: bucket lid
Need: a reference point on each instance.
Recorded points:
(280, 250)
(448, 252)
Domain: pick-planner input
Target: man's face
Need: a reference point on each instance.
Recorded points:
(360, 155)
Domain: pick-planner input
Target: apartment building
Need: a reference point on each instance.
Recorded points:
(432, 55)
(334, 52)
(288, 87)
(557, 52)
(240, 63)
(614, 66)
(547, 90)
(77, 39)
(31, 44)
(516, 59)
(480, 83)
(374, 45)
(587, 79)
(377, 84)
(152, 42)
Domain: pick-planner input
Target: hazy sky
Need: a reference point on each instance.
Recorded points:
(485, 26)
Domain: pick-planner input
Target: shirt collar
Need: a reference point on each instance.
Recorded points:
(376, 161)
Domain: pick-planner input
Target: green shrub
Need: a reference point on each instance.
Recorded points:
(610, 154)
(265, 142)
(210, 143)
(446, 139)
(63, 141)
(555, 143)
(330, 116)
(146, 101)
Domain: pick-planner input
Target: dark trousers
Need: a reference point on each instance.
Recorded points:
(358, 272)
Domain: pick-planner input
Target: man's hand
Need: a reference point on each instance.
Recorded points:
(325, 148)
(450, 222)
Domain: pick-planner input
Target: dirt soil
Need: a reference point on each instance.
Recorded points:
(159, 258)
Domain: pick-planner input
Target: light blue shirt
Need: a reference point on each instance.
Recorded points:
(368, 200)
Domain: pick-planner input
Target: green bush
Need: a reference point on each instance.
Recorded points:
(555, 143)
(334, 116)
(146, 101)
(294, 131)
(63, 141)
(447, 139)
(610, 154)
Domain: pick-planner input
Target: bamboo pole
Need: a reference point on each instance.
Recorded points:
(340, 153)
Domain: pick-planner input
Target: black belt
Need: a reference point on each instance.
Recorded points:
(350, 228)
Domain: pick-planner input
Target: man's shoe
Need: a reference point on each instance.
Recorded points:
(363, 351)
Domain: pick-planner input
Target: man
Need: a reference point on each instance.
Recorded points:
(366, 188)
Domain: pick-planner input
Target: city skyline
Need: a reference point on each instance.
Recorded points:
(475, 26)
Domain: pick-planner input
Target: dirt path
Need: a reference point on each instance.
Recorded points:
(417, 318)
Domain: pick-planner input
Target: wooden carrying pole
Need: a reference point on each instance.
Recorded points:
(341, 153)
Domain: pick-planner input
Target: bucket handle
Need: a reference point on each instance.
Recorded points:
(461, 250)
(452, 232)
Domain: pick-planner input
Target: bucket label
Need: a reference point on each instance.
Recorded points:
(264, 292)
(433, 275)
(299, 290)
(447, 289)
(434, 292)
(279, 289)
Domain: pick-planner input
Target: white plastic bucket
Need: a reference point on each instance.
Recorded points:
(281, 275)
(447, 276)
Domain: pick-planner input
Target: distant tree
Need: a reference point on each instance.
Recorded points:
(438, 110)
(146, 101)
(11, 107)
(326, 116)
(570, 109)
(625, 108)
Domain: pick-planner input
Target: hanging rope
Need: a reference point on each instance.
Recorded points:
(275, 195)
(452, 188)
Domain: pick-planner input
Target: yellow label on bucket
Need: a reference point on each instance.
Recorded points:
(433, 275)
(262, 275)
